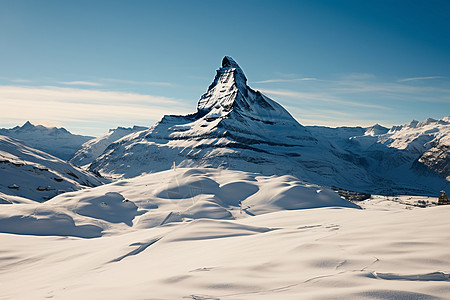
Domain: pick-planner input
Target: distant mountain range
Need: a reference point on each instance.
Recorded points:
(55, 141)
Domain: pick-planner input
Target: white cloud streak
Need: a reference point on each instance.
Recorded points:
(286, 80)
(420, 78)
(320, 97)
(134, 82)
(87, 83)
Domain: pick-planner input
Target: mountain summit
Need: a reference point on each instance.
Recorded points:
(230, 98)
(232, 105)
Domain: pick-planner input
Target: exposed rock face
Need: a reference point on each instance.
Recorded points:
(436, 159)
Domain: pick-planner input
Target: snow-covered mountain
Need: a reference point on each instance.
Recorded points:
(236, 127)
(94, 148)
(29, 173)
(55, 141)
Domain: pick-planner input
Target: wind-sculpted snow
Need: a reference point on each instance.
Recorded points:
(168, 197)
(56, 141)
(205, 193)
(32, 174)
(43, 220)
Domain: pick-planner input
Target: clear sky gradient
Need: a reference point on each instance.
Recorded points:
(93, 65)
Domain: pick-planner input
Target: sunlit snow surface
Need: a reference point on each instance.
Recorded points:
(222, 234)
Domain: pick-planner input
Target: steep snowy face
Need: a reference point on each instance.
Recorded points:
(56, 141)
(226, 91)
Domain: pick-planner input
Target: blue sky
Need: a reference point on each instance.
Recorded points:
(94, 65)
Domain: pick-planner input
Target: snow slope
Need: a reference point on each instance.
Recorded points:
(32, 174)
(94, 148)
(180, 234)
(56, 141)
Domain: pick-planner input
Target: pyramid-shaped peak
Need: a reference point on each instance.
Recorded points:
(228, 62)
(229, 97)
(27, 125)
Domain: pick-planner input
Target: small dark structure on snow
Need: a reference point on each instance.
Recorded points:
(13, 187)
(443, 199)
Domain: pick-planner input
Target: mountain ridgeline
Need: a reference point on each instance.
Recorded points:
(236, 127)
(55, 141)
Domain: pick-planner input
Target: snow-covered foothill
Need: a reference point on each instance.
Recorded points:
(29, 173)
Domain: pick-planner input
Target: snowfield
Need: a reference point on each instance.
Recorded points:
(181, 234)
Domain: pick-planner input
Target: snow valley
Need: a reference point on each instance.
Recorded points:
(237, 200)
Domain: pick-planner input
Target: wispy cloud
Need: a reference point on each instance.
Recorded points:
(393, 91)
(286, 80)
(420, 78)
(134, 82)
(357, 76)
(320, 97)
(87, 83)
(84, 106)
(18, 80)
